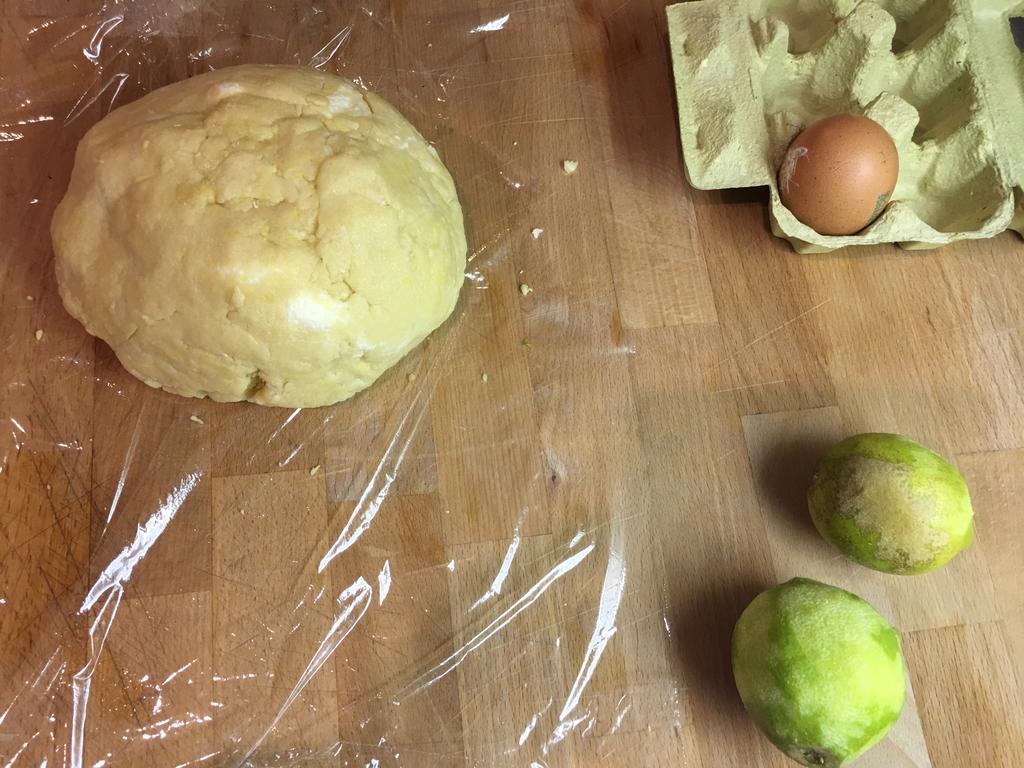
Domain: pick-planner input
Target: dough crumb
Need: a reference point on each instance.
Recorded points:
(39, 334)
(569, 167)
(483, 378)
(313, 470)
(536, 232)
(196, 419)
(29, 298)
(411, 378)
(525, 289)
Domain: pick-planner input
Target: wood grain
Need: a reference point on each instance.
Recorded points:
(528, 543)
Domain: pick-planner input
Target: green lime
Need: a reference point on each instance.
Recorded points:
(891, 504)
(819, 670)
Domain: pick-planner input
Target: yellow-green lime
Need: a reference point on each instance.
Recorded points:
(891, 504)
(819, 670)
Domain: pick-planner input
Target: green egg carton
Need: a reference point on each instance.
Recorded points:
(944, 77)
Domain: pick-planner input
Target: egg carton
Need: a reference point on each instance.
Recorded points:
(944, 77)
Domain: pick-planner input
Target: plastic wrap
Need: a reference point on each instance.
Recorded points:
(408, 578)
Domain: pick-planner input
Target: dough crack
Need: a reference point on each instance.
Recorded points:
(256, 384)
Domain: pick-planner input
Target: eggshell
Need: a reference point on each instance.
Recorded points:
(838, 174)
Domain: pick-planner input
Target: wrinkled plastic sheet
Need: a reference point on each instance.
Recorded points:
(383, 582)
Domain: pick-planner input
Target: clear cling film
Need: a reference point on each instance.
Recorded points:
(186, 583)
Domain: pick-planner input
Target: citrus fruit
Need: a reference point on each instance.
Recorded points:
(891, 504)
(819, 670)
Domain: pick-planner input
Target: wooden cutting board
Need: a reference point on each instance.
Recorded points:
(555, 524)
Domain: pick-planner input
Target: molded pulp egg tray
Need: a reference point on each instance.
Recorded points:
(944, 77)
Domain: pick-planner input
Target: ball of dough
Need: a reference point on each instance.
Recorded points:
(259, 233)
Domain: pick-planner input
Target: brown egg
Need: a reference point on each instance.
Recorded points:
(839, 173)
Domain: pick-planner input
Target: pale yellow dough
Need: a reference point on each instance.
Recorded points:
(259, 233)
